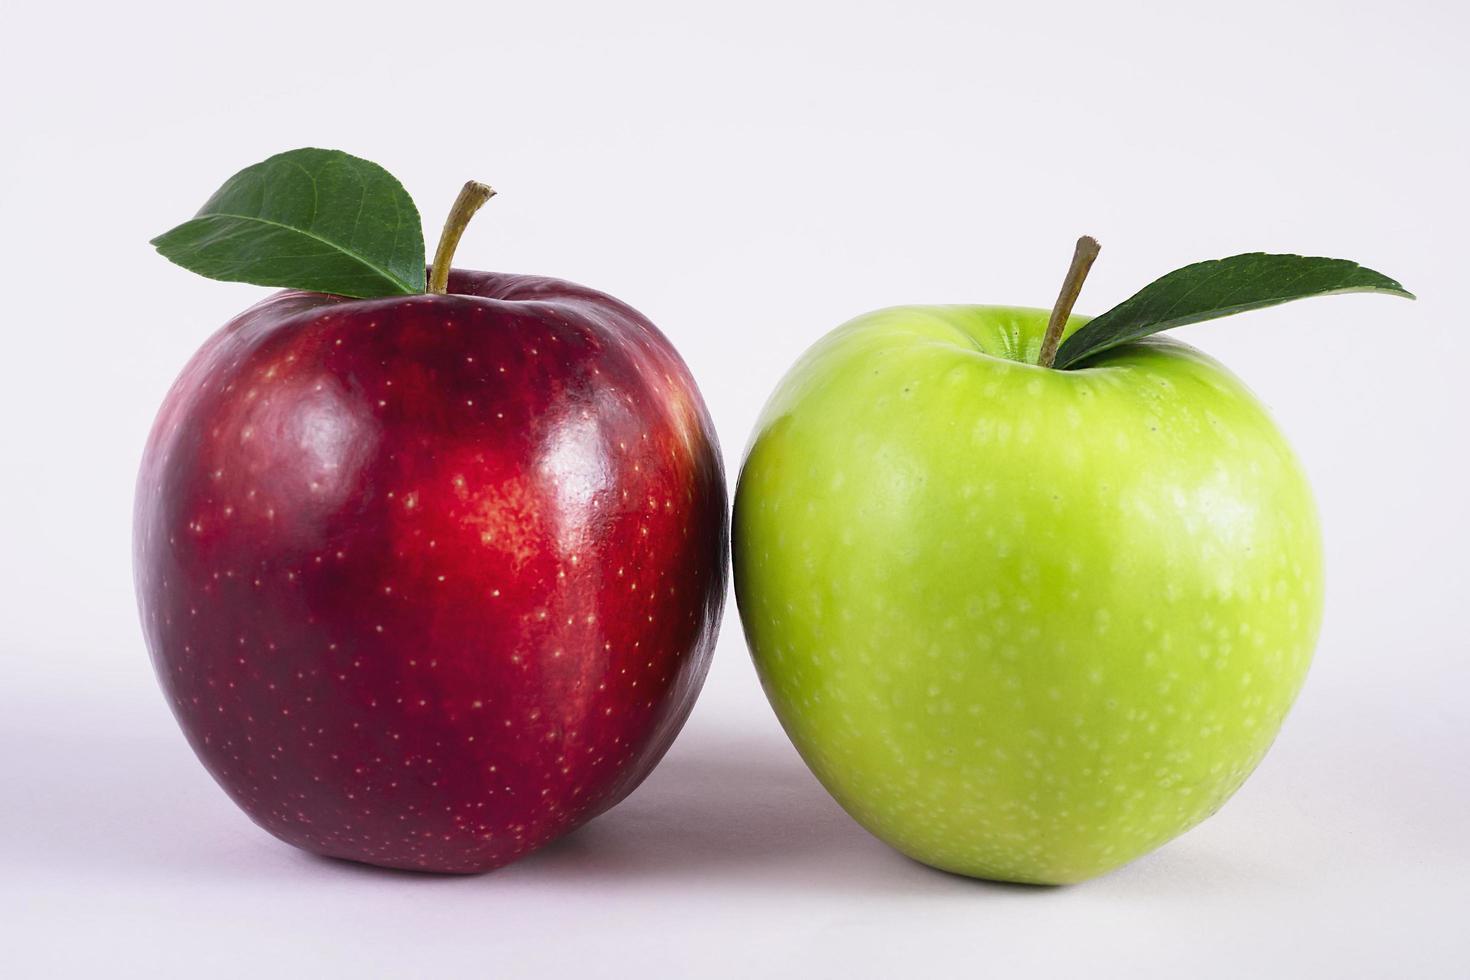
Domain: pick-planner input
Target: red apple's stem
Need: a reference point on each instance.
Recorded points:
(471, 197)
(1082, 258)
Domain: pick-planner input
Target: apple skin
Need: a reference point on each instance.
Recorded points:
(1023, 624)
(430, 581)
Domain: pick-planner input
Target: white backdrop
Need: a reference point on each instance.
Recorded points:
(749, 176)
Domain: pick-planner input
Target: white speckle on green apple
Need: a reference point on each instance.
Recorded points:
(1027, 623)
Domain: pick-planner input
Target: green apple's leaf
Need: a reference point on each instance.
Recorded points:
(1217, 288)
(307, 219)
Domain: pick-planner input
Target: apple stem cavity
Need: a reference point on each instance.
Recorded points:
(471, 197)
(1082, 259)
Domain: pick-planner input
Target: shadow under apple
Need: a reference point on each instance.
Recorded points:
(724, 810)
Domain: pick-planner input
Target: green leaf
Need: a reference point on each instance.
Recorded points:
(307, 219)
(1218, 288)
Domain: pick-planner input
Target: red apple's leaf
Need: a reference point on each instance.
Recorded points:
(307, 219)
(1216, 288)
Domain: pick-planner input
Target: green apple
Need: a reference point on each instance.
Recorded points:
(1023, 623)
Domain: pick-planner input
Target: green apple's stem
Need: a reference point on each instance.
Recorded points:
(471, 197)
(1082, 259)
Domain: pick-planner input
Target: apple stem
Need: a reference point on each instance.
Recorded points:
(1082, 259)
(471, 197)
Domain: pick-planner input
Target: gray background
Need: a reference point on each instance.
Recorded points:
(749, 176)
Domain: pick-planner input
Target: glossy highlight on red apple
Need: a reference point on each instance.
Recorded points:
(431, 580)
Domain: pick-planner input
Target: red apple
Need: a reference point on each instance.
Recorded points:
(432, 580)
